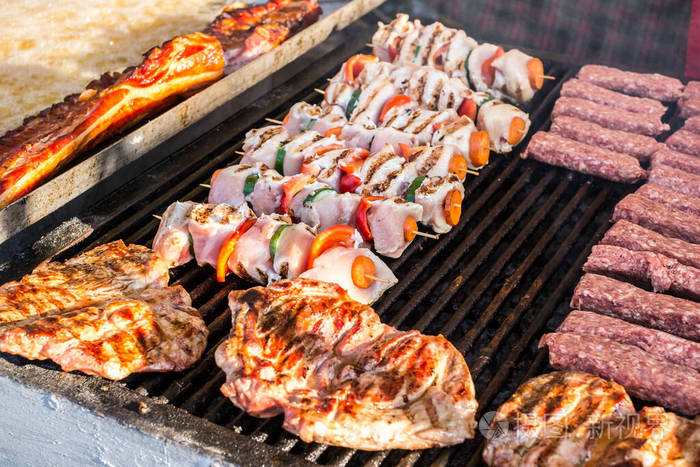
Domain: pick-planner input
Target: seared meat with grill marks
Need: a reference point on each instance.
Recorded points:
(340, 376)
(105, 272)
(107, 312)
(549, 419)
(576, 419)
(156, 330)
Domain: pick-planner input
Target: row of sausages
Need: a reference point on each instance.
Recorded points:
(600, 131)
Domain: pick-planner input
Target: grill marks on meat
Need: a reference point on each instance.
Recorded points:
(106, 312)
(534, 427)
(102, 273)
(156, 330)
(178, 67)
(305, 349)
(550, 420)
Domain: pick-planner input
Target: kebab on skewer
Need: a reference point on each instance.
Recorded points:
(389, 223)
(268, 248)
(434, 89)
(383, 173)
(513, 74)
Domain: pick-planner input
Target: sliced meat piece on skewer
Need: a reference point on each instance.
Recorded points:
(210, 225)
(264, 143)
(639, 146)
(643, 374)
(677, 160)
(658, 217)
(303, 117)
(563, 152)
(250, 258)
(675, 179)
(441, 199)
(609, 117)
(336, 264)
(690, 107)
(652, 85)
(172, 240)
(437, 161)
(462, 133)
(325, 166)
(505, 124)
(584, 90)
(670, 198)
(382, 174)
(622, 300)
(645, 267)
(685, 141)
(419, 122)
(232, 185)
(692, 124)
(393, 225)
(289, 249)
(515, 77)
(635, 237)
(553, 419)
(672, 348)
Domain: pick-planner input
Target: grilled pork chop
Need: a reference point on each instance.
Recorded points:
(340, 376)
(107, 312)
(577, 419)
(107, 271)
(549, 420)
(158, 331)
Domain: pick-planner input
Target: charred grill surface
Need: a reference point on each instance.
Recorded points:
(492, 286)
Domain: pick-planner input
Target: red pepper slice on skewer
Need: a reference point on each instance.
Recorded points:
(349, 183)
(468, 108)
(337, 235)
(361, 216)
(396, 101)
(356, 64)
(488, 72)
(227, 248)
(353, 161)
(291, 187)
(333, 132)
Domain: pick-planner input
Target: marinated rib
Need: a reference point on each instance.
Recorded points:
(340, 376)
(50, 140)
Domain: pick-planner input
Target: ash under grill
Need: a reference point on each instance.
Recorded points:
(491, 286)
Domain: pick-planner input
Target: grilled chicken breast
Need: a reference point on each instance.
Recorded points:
(577, 419)
(105, 272)
(106, 312)
(549, 420)
(340, 376)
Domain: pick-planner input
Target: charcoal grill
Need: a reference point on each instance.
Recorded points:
(492, 285)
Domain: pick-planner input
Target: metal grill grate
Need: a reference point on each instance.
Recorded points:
(490, 286)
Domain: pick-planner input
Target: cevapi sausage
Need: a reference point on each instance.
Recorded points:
(675, 179)
(692, 124)
(643, 374)
(635, 237)
(690, 107)
(670, 198)
(589, 91)
(673, 348)
(675, 159)
(622, 300)
(685, 141)
(664, 273)
(609, 117)
(667, 221)
(639, 146)
(563, 152)
(652, 85)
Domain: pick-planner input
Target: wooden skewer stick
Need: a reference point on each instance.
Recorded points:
(205, 185)
(157, 217)
(272, 120)
(469, 171)
(457, 205)
(379, 279)
(549, 77)
(240, 153)
(423, 234)
(368, 44)
(320, 91)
